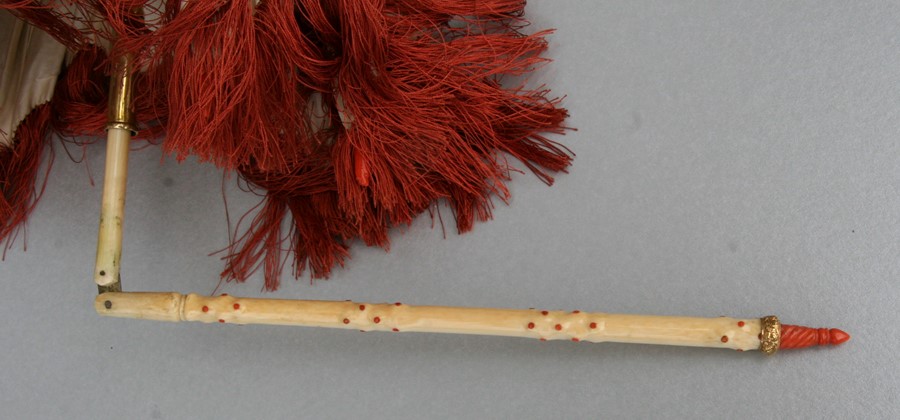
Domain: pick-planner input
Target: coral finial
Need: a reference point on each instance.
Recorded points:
(797, 337)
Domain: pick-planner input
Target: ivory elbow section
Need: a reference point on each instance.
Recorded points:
(138, 305)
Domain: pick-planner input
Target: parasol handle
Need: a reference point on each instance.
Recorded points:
(729, 333)
(120, 128)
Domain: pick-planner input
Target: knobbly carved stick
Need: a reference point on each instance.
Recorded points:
(730, 333)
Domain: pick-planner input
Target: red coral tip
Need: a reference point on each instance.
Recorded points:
(839, 336)
(796, 337)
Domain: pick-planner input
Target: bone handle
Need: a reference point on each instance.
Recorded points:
(112, 210)
(112, 207)
(729, 333)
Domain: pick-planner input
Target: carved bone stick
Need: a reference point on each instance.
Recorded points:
(730, 333)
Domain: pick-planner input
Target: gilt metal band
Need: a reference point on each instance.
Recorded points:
(121, 91)
(122, 126)
(770, 334)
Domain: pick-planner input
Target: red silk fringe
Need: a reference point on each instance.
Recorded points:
(53, 17)
(430, 121)
(81, 97)
(77, 109)
(19, 167)
(419, 104)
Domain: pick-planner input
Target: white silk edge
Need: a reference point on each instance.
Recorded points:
(32, 61)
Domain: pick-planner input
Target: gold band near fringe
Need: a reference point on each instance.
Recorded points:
(770, 335)
(119, 114)
(122, 126)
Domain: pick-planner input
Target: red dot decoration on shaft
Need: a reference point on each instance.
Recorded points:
(205, 309)
(741, 323)
(531, 325)
(798, 337)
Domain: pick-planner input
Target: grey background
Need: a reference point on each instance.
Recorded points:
(734, 158)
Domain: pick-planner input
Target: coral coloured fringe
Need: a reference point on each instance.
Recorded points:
(20, 164)
(349, 116)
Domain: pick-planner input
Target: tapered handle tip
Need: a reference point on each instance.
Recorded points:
(838, 336)
(797, 337)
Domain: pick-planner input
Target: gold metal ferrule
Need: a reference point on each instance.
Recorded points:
(770, 334)
(121, 90)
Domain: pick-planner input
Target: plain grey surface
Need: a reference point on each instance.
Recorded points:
(734, 158)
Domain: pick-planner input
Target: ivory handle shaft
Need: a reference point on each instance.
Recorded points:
(722, 332)
(112, 208)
